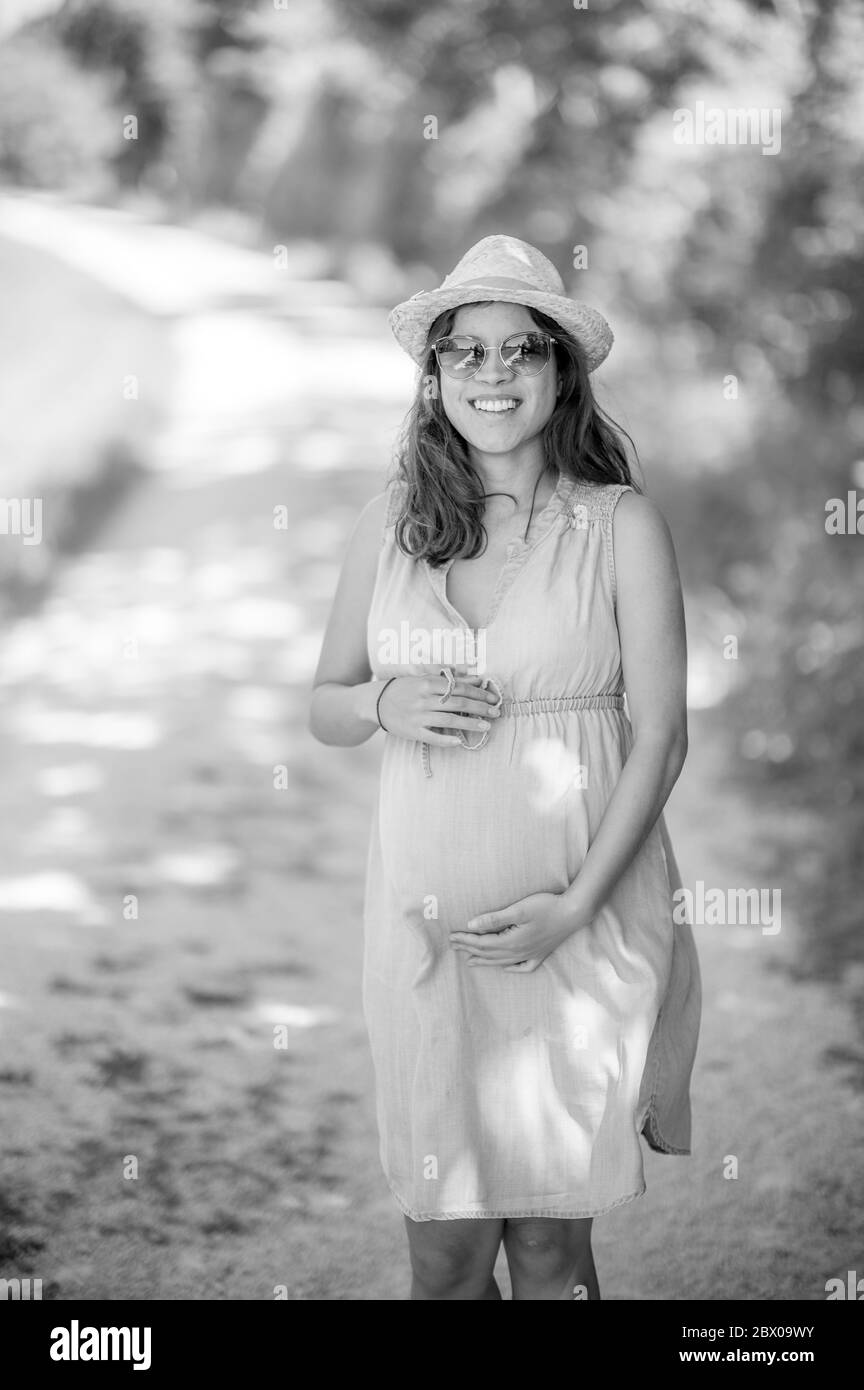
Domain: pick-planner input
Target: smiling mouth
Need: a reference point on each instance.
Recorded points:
(494, 405)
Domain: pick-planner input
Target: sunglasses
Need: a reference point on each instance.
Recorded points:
(526, 354)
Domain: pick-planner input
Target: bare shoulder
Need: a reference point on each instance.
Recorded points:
(639, 525)
(374, 511)
(369, 526)
(644, 554)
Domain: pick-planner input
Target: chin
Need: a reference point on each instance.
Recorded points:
(501, 446)
(497, 438)
(496, 441)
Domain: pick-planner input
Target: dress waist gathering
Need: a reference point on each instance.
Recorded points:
(554, 704)
(546, 704)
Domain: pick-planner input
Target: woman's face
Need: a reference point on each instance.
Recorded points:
(500, 431)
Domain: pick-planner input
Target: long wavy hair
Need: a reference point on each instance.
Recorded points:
(443, 498)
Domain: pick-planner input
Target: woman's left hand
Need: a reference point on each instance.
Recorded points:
(521, 936)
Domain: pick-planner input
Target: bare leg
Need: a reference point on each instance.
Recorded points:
(454, 1259)
(550, 1259)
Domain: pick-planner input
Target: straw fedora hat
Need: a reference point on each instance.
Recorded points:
(501, 268)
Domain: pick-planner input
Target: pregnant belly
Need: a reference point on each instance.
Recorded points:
(486, 829)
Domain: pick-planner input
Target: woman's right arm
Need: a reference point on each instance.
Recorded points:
(344, 694)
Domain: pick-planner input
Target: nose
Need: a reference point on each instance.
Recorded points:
(493, 371)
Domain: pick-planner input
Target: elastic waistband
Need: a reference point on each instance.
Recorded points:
(562, 703)
(550, 704)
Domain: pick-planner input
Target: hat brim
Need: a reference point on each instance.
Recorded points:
(411, 320)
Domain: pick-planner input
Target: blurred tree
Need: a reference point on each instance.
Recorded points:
(185, 69)
(56, 125)
(446, 57)
(136, 45)
(776, 259)
(797, 720)
(792, 288)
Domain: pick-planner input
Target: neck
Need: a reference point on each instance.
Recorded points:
(517, 474)
(519, 496)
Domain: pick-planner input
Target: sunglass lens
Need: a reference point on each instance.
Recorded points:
(526, 353)
(459, 357)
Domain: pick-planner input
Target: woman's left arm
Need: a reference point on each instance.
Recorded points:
(654, 661)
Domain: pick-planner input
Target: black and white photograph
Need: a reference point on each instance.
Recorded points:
(432, 664)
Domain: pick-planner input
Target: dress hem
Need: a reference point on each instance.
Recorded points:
(650, 1131)
(501, 1214)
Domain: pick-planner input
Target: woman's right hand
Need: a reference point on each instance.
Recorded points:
(411, 708)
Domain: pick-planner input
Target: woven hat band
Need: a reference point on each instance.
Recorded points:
(496, 282)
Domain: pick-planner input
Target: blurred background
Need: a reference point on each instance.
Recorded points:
(207, 207)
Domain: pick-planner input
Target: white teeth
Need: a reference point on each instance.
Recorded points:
(495, 406)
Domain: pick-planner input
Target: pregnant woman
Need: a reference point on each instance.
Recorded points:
(531, 1004)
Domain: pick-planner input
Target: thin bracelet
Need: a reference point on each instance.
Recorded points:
(378, 703)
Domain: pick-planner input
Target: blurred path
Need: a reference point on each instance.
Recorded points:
(166, 269)
(152, 731)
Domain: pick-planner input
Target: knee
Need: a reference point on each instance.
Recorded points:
(542, 1245)
(450, 1270)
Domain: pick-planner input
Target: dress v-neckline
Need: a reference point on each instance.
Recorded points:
(517, 553)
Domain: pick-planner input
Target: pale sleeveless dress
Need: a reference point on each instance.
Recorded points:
(521, 1094)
